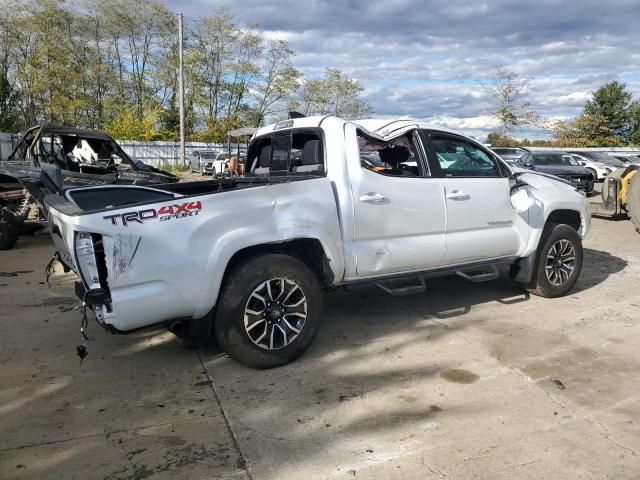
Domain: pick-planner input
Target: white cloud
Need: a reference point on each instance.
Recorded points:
(425, 58)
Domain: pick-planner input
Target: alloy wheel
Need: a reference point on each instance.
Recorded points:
(275, 313)
(560, 262)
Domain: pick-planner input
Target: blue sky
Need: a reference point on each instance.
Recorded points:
(425, 59)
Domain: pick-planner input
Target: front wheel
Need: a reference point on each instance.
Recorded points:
(559, 262)
(269, 311)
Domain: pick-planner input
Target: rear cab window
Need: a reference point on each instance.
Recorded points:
(290, 152)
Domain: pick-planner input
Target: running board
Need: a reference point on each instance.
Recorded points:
(482, 276)
(399, 287)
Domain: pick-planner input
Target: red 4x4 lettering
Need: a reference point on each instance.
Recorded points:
(184, 207)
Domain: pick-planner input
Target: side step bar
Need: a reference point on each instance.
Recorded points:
(415, 282)
(399, 287)
(477, 276)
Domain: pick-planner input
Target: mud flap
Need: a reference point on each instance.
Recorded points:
(523, 269)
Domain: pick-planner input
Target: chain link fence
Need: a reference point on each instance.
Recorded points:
(166, 154)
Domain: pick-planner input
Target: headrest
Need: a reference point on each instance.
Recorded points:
(394, 156)
(311, 153)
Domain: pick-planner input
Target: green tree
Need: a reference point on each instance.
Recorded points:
(498, 140)
(126, 125)
(586, 130)
(9, 106)
(634, 138)
(613, 103)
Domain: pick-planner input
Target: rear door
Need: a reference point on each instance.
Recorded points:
(481, 222)
(399, 214)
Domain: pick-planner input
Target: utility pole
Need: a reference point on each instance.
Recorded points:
(183, 159)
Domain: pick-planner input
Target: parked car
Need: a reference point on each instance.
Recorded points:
(248, 260)
(628, 158)
(50, 158)
(561, 165)
(598, 170)
(597, 161)
(208, 162)
(511, 155)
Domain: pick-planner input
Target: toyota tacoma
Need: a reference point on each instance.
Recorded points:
(326, 203)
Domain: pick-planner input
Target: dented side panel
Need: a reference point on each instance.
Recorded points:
(166, 260)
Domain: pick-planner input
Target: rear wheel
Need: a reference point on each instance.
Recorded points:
(269, 311)
(559, 262)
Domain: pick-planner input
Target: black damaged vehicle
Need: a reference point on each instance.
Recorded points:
(50, 158)
(561, 165)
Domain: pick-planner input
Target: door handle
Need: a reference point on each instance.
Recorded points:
(374, 198)
(458, 195)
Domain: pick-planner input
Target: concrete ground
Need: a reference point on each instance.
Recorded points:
(464, 381)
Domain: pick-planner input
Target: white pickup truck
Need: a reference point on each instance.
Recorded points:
(326, 203)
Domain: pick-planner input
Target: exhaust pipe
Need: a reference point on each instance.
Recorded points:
(179, 329)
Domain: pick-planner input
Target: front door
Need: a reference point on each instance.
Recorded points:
(481, 222)
(399, 212)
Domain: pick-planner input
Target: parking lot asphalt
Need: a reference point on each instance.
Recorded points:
(464, 381)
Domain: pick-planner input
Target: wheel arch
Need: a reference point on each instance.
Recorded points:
(308, 250)
(567, 217)
(524, 269)
(323, 260)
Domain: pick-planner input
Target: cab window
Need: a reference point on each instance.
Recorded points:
(397, 158)
(460, 158)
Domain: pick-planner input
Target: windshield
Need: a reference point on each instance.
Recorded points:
(555, 159)
(208, 155)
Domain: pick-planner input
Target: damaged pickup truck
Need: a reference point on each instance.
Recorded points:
(49, 158)
(327, 203)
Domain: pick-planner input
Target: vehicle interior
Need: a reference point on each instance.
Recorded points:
(395, 158)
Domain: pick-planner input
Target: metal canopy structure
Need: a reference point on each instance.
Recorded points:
(237, 134)
(241, 132)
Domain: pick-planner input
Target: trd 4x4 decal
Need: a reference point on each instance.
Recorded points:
(168, 212)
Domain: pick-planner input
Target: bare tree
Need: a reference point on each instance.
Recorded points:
(507, 91)
(279, 80)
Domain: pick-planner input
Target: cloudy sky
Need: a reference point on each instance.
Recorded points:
(425, 59)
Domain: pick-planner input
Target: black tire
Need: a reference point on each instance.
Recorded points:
(9, 233)
(239, 289)
(552, 279)
(593, 174)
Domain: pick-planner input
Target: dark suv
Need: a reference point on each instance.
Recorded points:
(561, 165)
